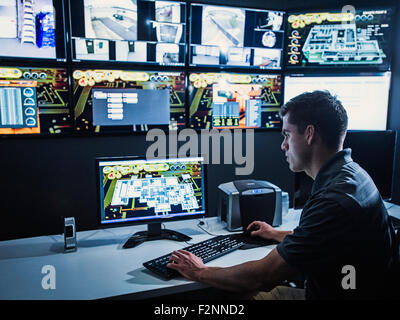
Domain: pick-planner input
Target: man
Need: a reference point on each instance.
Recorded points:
(344, 245)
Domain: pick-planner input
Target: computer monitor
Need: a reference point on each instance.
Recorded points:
(134, 31)
(372, 150)
(365, 97)
(236, 37)
(234, 100)
(151, 191)
(32, 29)
(34, 100)
(128, 101)
(345, 37)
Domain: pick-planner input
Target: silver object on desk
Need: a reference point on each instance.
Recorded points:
(70, 235)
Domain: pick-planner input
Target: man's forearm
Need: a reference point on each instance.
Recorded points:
(279, 235)
(249, 276)
(244, 277)
(237, 278)
(234, 278)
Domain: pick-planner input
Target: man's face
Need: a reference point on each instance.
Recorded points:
(295, 146)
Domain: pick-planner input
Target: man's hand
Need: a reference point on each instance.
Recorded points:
(187, 264)
(261, 229)
(266, 231)
(248, 276)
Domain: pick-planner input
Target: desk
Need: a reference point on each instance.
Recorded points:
(101, 268)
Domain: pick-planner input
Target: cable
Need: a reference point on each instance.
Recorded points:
(190, 244)
(52, 237)
(206, 231)
(109, 231)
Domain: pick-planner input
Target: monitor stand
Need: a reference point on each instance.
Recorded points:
(154, 232)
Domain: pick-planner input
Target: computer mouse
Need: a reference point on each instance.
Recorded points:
(247, 232)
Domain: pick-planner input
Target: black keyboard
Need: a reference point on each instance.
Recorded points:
(207, 250)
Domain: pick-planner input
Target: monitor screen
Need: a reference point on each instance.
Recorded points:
(34, 101)
(330, 38)
(236, 37)
(126, 101)
(365, 98)
(32, 29)
(233, 100)
(136, 190)
(135, 31)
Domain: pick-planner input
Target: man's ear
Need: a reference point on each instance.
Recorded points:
(310, 134)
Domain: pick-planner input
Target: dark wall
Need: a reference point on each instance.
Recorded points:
(45, 179)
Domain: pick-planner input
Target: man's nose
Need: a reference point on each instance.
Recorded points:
(284, 145)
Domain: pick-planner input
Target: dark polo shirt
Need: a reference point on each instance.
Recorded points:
(344, 223)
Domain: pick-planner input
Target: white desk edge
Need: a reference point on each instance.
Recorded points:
(101, 268)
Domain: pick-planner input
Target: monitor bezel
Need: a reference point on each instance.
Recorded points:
(44, 134)
(128, 63)
(122, 130)
(150, 220)
(233, 67)
(340, 67)
(60, 15)
(242, 72)
(339, 73)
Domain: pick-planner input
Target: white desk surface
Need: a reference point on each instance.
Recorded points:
(101, 268)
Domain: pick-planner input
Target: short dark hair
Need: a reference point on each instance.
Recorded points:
(322, 110)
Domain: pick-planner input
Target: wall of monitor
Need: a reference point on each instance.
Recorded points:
(87, 78)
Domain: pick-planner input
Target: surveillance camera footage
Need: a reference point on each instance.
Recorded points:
(135, 31)
(236, 37)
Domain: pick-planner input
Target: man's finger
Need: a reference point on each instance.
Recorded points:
(183, 253)
(173, 258)
(254, 223)
(174, 266)
(249, 226)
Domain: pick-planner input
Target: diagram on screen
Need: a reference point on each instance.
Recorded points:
(34, 100)
(155, 188)
(326, 39)
(328, 44)
(119, 84)
(234, 101)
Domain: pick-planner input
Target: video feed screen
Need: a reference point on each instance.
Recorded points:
(127, 101)
(136, 190)
(32, 29)
(232, 100)
(332, 38)
(365, 98)
(34, 101)
(236, 37)
(136, 31)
